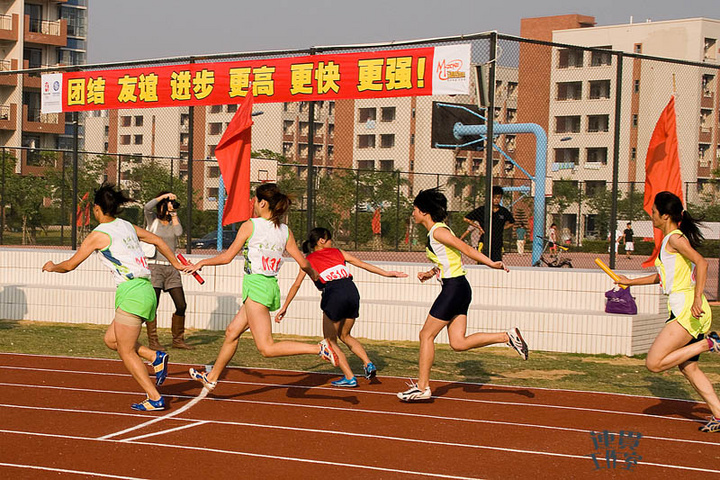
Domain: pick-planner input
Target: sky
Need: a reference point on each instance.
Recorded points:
(148, 29)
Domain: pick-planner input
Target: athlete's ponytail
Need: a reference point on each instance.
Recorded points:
(278, 202)
(110, 200)
(668, 203)
(315, 235)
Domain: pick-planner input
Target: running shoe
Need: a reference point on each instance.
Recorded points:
(326, 352)
(714, 342)
(160, 364)
(414, 393)
(712, 426)
(517, 343)
(345, 382)
(202, 377)
(148, 405)
(370, 370)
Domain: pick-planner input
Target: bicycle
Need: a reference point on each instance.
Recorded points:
(559, 260)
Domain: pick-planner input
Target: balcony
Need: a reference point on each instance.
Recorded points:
(46, 33)
(33, 80)
(9, 28)
(8, 117)
(36, 122)
(8, 80)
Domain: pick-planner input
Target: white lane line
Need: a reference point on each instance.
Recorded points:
(173, 413)
(64, 470)
(373, 392)
(169, 430)
(277, 370)
(352, 465)
(434, 417)
(256, 455)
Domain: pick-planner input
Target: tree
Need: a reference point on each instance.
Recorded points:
(23, 199)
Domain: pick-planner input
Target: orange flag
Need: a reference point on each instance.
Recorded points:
(233, 154)
(662, 167)
(79, 215)
(376, 226)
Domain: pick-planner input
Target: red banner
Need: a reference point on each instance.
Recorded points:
(388, 73)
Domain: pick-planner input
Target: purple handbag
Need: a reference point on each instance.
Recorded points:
(619, 300)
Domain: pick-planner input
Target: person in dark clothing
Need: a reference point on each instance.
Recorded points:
(501, 219)
(628, 240)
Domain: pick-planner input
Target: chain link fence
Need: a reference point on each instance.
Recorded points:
(370, 157)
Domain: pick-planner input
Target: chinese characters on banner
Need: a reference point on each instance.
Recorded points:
(613, 447)
(388, 73)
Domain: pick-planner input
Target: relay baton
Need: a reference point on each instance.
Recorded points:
(607, 270)
(184, 261)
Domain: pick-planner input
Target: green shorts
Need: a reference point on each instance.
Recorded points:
(137, 296)
(261, 289)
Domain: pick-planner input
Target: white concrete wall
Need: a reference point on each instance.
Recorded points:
(556, 309)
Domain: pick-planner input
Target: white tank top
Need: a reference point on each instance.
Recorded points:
(124, 256)
(263, 250)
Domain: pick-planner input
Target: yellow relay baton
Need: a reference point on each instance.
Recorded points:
(607, 270)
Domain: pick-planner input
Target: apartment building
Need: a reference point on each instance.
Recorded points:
(37, 34)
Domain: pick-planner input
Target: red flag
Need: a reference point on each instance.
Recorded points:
(87, 214)
(233, 154)
(79, 214)
(376, 226)
(662, 167)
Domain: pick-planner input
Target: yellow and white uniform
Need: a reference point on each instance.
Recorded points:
(677, 279)
(447, 259)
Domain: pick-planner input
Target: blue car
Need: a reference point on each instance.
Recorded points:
(210, 240)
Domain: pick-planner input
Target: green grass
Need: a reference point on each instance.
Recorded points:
(602, 373)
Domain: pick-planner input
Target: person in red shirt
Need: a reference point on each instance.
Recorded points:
(340, 302)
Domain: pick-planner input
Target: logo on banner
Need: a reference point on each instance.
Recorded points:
(450, 69)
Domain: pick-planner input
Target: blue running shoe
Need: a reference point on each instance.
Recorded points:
(160, 364)
(148, 405)
(713, 342)
(370, 370)
(344, 382)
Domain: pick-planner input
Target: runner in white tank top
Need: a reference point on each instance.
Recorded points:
(262, 241)
(118, 247)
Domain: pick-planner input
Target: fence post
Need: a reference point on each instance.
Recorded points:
(2, 198)
(172, 170)
(73, 235)
(580, 224)
(616, 158)
(310, 168)
(191, 146)
(490, 140)
(62, 203)
(357, 205)
(397, 214)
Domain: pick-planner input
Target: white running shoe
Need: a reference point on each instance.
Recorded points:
(327, 353)
(414, 393)
(517, 343)
(202, 377)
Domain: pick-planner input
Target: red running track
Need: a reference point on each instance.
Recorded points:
(70, 418)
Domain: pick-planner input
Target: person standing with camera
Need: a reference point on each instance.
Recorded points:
(162, 220)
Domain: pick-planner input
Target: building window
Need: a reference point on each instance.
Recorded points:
(570, 57)
(569, 124)
(512, 89)
(567, 155)
(331, 130)
(212, 194)
(510, 143)
(366, 141)
(569, 91)
(510, 115)
(597, 155)
(710, 49)
(387, 114)
(459, 164)
(598, 123)
(707, 81)
(367, 114)
(211, 150)
(216, 108)
(638, 48)
(594, 186)
(232, 108)
(184, 139)
(288, 127)
(216, 128)
(387, 165)
(477, 163)
(412, 139)
(107, 130)
(331, 108)
(184, 119)
(599, 89)
(633, 153)
(213, 172)
(139, 120)
(703, 150)
(636, 86)
(287, 149)
(387, 140)
(366, 164)
(600, 59)
(124, 139)
(634, 120)
(705, 120)
(138, 139)
(126, 121)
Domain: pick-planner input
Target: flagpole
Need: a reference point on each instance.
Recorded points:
(616, 158)
(221, 209)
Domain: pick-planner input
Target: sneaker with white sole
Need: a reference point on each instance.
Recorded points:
(517, 343)
(370, 370)
(713, 340)
(148, 405)
(327, 353)
(712, 426)
(160, 365)
(202, 377)
(415, 393)
(345, 382)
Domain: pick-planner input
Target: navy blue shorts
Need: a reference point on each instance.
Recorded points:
(454, 299)
(340, 300)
